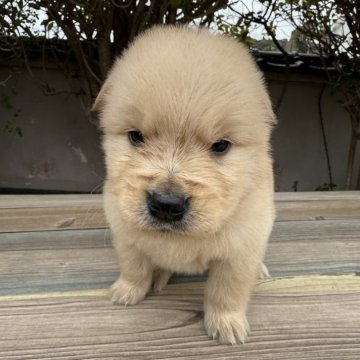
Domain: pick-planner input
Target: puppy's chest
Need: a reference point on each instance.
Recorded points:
(176, 256)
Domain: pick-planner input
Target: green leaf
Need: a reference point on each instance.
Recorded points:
(50, 25)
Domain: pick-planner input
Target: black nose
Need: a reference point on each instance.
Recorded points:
(167, 206)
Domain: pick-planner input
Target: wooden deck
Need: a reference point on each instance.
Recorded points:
(56, 265)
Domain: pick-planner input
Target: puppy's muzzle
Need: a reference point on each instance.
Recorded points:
(167, 207)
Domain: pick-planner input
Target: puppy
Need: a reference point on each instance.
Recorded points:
(189, 186)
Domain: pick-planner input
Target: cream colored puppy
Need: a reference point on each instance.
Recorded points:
(189, 185)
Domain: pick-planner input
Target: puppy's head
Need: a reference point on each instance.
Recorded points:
(186, 124)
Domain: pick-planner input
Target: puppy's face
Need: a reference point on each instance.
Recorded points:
(184, 140)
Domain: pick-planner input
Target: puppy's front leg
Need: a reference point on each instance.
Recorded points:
(227, 293)
(135, 277)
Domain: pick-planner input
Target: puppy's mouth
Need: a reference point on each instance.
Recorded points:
(167, 227)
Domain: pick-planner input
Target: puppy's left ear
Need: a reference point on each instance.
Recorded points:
(101, 97)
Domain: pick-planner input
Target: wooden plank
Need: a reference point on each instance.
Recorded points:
(31, 201)
(314, 247)
(81, 259)
(56, 212)
(55, 218)
(55, 240)
(39, 219)
(317, 210)
(58, 218)
(61, 270)
(289, 324)
(50, 212)
(300, 284)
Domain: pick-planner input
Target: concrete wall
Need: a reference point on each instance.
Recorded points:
(298, 142)
(60, 148)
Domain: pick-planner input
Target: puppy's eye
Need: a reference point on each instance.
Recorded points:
(136, 137)
(220, 147)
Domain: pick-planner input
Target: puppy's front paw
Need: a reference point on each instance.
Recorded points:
(229, 327)
(126, 293)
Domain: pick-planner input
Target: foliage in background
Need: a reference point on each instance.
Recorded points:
(95, 31)
(326, 187)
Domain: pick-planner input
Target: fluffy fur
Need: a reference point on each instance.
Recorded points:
(185, 90)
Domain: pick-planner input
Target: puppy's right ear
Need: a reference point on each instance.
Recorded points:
(100, 99)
